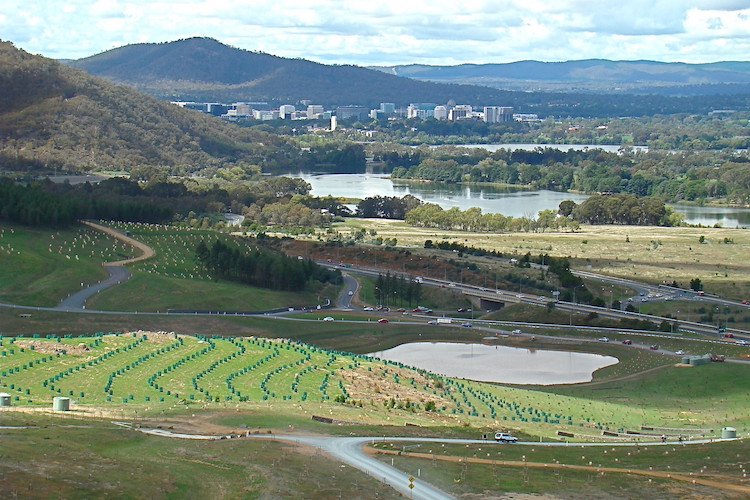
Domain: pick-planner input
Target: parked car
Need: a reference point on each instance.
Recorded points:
(504, 437)
(744, 302)
(432, 322)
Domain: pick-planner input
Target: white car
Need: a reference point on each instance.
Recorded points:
(368, 308)
(328, 318)
(604, 339)
(517, 332)
(680, 352)
(504, 437)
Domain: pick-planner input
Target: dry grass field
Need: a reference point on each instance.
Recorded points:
(644, 253)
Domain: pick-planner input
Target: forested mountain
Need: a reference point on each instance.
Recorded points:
(54, 116)
(205, 70)
(597, 75)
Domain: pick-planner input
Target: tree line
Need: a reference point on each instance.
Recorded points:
(621, 209)
(673, 176)
(392, 290)
(473, 220)
(261, 267)
(34, 205)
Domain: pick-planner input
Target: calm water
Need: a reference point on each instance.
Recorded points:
(562, 147)
(509, 365)
(491, 199)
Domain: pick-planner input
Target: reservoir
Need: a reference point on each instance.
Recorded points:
(502, 364)
(509, 201)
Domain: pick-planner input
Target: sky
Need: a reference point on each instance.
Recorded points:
(388, 32)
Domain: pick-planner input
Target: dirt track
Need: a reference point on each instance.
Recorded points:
(713, 483)
(148, 252)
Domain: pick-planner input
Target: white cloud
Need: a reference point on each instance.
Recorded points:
(395, 31)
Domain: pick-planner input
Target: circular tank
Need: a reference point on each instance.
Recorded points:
(61, 404)
(728, 433)
(4, 399)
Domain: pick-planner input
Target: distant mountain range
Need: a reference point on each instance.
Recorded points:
(206, 70)
(591, 75)
(54, 116)
(203, 69)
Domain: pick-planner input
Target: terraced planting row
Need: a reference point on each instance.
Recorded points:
(149, 368)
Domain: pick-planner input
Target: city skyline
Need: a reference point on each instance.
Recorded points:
(420, 32)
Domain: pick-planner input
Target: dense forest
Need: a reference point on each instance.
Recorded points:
(261, 267)
(36, 206)
(273, 201)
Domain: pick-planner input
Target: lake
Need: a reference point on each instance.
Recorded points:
(491, 199)
(502, 364)
(562, 147)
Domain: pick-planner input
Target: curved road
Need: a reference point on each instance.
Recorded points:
(349, 450)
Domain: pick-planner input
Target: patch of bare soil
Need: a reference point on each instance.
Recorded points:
(380, 387)
(47, 347)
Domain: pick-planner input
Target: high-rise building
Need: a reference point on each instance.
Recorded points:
(420, 110)
(286, 111)
(441, 113)
(313, 110)
(498, 114)
(388, 108)
(359, 112)
(460, 112)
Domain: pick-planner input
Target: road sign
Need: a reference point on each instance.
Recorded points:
(411, 479)
(411, 486)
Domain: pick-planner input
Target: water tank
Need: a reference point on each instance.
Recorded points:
(728, 433)
(4, 399)
(61, 404)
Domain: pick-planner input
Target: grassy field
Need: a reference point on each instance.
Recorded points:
(642, 253)
(720, 462)
(90, 459)
(41, 267)
(139, 370)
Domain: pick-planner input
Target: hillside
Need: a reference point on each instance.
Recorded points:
(204, 69)
(54, 116)
(598, 75)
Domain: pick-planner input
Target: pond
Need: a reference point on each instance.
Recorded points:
(497, 363)
(491, 199)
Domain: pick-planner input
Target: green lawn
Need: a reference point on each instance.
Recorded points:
(41, 267)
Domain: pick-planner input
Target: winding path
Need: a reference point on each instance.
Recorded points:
(117, 273)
